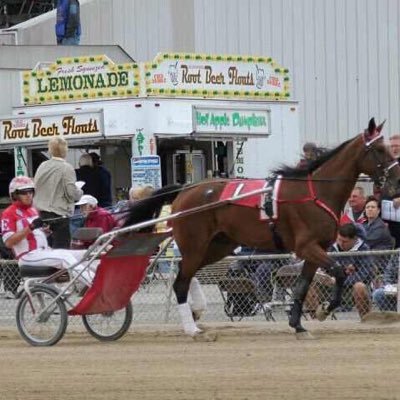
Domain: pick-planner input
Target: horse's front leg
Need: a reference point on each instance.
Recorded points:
(300, 293)
(339, 274)
(315, 256)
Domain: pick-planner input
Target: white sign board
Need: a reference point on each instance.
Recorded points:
(217, 76)
(146, 171)
(240, 121)
(389, 212)
(34, 129)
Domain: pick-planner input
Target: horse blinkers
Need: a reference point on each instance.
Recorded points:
(383, 166)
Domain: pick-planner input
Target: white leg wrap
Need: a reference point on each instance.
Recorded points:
(189, 326)
(199, 302)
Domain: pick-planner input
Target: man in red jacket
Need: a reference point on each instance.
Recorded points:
(356, 207)
(95, 216)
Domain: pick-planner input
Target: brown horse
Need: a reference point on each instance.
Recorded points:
(310, 203)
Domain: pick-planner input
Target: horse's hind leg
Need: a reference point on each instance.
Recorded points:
(181, 288)
(220, 247)
(217, 249)
(199, 301)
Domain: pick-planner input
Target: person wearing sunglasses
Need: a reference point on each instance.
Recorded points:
(25, 233)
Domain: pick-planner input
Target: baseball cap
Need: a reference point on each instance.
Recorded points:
(87, 199)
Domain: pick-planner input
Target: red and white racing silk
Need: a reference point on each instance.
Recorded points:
(14, 219)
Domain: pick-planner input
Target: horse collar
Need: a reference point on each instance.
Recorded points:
(313, 197)
(319, 202)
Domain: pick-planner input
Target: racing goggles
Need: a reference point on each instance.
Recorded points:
(24, 191)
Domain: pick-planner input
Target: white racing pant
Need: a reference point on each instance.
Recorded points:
(63, 259)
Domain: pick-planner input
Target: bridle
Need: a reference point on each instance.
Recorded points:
(383, 167)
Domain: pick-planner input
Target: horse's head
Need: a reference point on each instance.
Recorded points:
(378, 162)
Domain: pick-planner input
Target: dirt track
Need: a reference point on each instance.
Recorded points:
(247, 361)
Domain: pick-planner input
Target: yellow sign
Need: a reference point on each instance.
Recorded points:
(79, 78)
(217, 76)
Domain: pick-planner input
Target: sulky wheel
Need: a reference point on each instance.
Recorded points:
(41, 328)
(110, 325)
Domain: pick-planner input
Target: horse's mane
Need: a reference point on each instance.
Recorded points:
(286, 170)
(150, 207)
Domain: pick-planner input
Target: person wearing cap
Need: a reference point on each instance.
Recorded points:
(95, 216)
(24, 232)
(310, 152)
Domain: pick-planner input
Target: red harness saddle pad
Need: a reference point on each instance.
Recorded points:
(243, 186)
(119, 274)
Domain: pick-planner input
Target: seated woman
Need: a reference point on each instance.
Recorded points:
(377, 233)
(95, 216)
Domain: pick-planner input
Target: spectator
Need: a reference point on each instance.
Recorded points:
(385, 297)
(260, 271)
(140, 192)
(377, 233)
(90, 175)
(135, 194)
(354, 212)
(105, 195)
(68, 25)
(56, 193)
(358, 268)
(310, 153)
(394, 226)
(23, 232)
(95, 217)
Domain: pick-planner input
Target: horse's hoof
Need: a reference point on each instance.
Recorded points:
(197, 314)
(305, 335)
(321, 312)
(205, 337)
(293, 324)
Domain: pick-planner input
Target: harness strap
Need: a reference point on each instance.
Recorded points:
(312, 197)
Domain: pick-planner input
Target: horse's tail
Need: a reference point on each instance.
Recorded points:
(150, 207)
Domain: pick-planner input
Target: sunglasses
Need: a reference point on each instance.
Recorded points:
(25, 191)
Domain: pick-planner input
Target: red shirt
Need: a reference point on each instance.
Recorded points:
(348, 217)
(100, 218)
(14, 219)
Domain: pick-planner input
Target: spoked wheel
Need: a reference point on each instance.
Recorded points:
(37, 328)
(109, 326)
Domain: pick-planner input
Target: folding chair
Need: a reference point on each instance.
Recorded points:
(285, 280)
(241, 298)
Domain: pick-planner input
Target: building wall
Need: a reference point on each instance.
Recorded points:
(9, 81)
(343, 54)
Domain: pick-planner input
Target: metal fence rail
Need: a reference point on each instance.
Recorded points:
(258, 287)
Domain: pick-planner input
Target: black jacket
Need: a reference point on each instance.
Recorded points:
(92, 178)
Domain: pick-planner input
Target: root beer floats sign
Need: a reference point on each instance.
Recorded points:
(35, 129)
(218, 76)
(79, 78)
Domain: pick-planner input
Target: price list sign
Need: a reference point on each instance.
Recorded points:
(146, 170)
